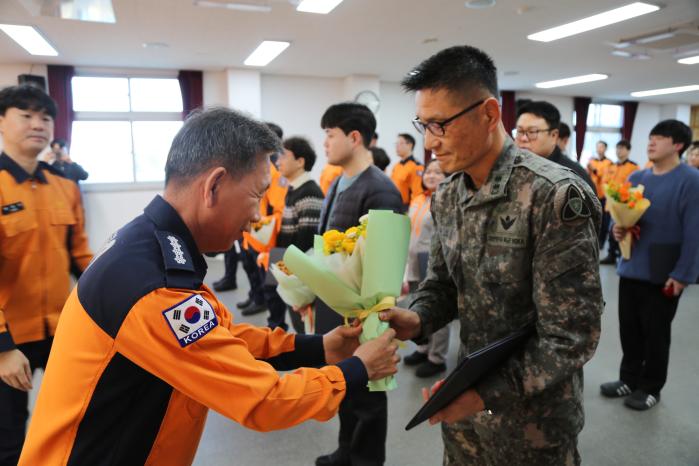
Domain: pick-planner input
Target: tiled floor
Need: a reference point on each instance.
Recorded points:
(667, 435)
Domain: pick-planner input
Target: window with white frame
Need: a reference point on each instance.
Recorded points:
(604, 122)
(123, 126)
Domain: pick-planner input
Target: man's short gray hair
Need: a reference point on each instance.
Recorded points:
(218, 137)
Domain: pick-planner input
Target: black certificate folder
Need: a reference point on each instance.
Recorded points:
(469, 371)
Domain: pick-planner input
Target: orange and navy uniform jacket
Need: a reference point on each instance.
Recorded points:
(42, 239)
(272, 202)
(597, 169)
(144, 349)
(327, 176)
(407, 176)
(619, 172)
(271, 205)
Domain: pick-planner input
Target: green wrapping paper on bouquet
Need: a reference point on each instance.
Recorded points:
(361, 283)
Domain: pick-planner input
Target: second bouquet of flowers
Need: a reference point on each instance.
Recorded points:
(626, 205)
(294, 293)
(359, 272)
(263, 234)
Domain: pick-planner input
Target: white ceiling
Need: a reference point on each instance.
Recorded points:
(376, 37)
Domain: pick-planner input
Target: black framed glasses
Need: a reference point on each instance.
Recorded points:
(438, 128)
(531, 134)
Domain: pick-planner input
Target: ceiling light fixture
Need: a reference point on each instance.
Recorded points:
(155, 45)
(99, 11)
(689, 60)
(593, 22)
(267, 51)
(655, 37)
(238, 6)
(322, 7)
(30, 39)
(667, 90)
(570, 81)
(479, 4)
(631, 55)
(622, 53)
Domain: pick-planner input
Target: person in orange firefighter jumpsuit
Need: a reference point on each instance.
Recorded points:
(42, 240)
(144, 348)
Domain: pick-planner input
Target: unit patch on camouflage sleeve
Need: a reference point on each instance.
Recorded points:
(575, 206)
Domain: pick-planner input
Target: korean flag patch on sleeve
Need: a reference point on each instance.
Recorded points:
(191, 319)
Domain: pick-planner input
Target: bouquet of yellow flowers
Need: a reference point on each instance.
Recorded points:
(626, 205)
(342, 253)
(358, 272)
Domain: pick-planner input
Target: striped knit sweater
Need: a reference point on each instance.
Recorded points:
(301, 216)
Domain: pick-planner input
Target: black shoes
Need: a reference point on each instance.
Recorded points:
(615, 389)
(243, 304)
(609, 260)
(253, 309)
(249, 307)
(336, 458)
(428, 369)
(415, 359)
(225, 284)
(425, 367)
(641, 401)
(636, 399)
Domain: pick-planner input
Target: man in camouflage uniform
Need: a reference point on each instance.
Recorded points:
(515, 242)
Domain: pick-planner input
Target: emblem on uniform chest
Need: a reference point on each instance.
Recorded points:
(507, 222)
(506, 229)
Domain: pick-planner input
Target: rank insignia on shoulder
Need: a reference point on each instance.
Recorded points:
(576, 206)
(191, 319)
(174, 251)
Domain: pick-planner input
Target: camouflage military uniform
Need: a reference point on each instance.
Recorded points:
(522, 247)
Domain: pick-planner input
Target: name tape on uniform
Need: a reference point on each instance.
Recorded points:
(12, 208)
(191, 319)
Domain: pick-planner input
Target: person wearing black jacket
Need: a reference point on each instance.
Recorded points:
(537, 131)
(71, 170)
(362, 186)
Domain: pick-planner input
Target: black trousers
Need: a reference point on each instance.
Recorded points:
(230, 264)
(363, 415)
(363, 427)
(255, 275)
(296, 321)
(613, 249)
(645, 318)
(277, 307)
(13, 404)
